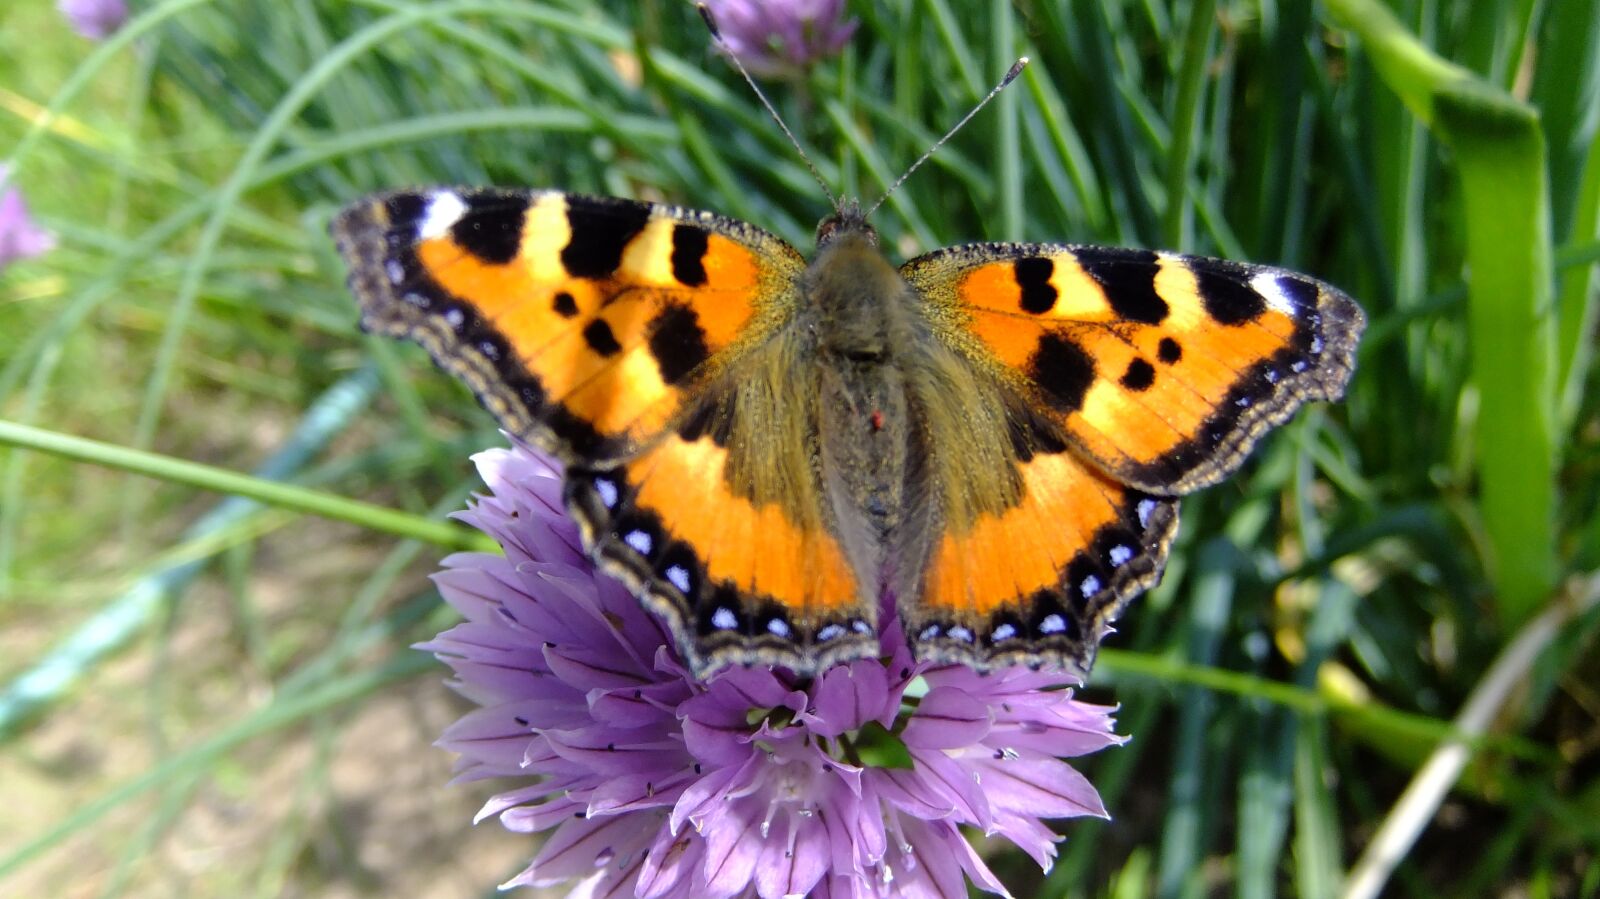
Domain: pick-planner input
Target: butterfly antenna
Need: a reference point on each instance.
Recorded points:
(1011, 75)
(711, 24)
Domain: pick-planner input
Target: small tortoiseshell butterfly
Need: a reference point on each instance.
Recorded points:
(995, 433)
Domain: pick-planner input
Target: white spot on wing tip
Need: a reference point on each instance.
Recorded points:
(1271, 289)
(778, 627)
(444, 210)
(608, 492)
(723, 619)
(1052, 624)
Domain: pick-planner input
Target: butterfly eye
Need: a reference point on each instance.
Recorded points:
(847, 220)
(827, 228)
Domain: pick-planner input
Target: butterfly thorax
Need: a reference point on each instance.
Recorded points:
(862, 330)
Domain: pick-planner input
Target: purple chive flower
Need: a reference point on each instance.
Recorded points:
(20, 237)
(94, 19)
(779, 37)
(754, 782)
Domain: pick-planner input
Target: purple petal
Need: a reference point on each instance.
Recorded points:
(672, 861)
(856, 835)
(742, 689)
(612, 752)
(848, 696)
(936, 873)
(733, 845)
(716, 747)
(513, 798)
(490, 737)
(947, 718)
(905, 791)
(1052, 724)
(971, 862)
(619, 881)
(535, 817)
(586, 669)
(639, 706)
(1046, 787)
(793, 861)
(706, 794)
(1030, 834)
(579, 846)
(955, 782)
(633, 792)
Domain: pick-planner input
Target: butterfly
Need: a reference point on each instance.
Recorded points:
(762, 447)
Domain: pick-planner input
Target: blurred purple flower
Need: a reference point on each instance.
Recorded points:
(20, 237)
(753, 783)
(94, 19)
(779, 37)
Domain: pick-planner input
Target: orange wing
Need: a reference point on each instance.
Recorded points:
(738, 580)
(1139, 376)
(1163, 369)
(1042, 581)
(580, 322)
(606, 331)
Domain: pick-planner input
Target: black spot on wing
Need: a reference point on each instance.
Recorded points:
(677, 342)
(491, 228)
(1139, 376)
(1169, 351)
(1128, 278)
(1033, 278)
(688, 255)
(601, 230)
(1227, 298)
(1062, 369)
(564, 305)
(600, 339)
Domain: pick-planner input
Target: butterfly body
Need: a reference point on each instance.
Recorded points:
(993, 434)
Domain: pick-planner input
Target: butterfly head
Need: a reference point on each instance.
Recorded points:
(847, 220)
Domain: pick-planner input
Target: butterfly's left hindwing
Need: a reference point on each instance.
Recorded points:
(1163, 369)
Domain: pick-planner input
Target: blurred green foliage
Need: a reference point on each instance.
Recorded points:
(1353, 583)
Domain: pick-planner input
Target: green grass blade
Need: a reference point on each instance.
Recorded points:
(274, 493)
(1500, 159)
